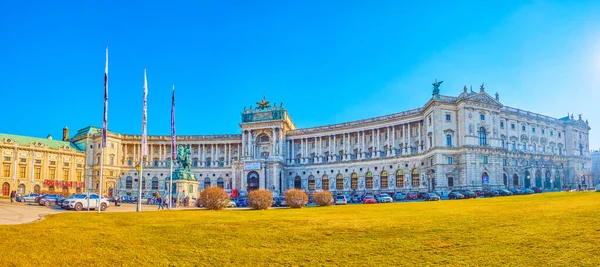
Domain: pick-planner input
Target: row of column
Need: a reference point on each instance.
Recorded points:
(249, 142)
(298, 150)
(199, 151)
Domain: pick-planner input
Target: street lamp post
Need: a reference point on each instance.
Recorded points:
(139, 169)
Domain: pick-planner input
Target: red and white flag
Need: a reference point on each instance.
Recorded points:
(105, 119)
(173, 137)
(144, 117)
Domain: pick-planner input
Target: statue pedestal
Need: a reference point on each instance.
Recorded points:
(185, 184)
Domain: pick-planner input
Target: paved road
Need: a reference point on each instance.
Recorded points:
(18, 213)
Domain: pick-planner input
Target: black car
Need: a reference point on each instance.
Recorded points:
(491, 193)
(469, 194)
(537, 190)
(455, 195)
(422, 195)
(49, 199)
(504, 192)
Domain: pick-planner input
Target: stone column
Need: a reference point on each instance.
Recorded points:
(393, 141)
(329, 149)
(404, 138)
(293, 157)
(409, 140)
(334, 149)
(420, 147)
(389, 153)
(362, 154)
(373, 153)
(273, 141)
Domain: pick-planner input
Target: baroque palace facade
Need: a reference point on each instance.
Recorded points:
(465, 141)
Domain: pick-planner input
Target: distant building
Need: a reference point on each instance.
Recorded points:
(40, 165)
(596, 166)
(467, 141)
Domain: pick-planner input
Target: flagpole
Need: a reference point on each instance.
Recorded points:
(104, 122)
(173, 145)
(144, 145)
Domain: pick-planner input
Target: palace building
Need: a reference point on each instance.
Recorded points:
(38, 165)
(467, 141)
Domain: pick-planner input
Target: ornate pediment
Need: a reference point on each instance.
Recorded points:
(485, 98)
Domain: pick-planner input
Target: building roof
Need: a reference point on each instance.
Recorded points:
(88, 130)
(43, 142)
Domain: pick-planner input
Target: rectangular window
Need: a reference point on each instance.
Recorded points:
(512, 126)
(448, 117)
(501, 124)
(533, 130)
(6, 170)
(38, 161)
(515, 163)
(52, 162)
(449, 159)
(523, 127)
(524, 147)
(22, 171)
(551, 133)
(78, 175)
(482, 117)
(25, 160)
(543, 131)
(65, 174)
(484, 159)
(504, 162)
(559, 135)
(37, 172)
(6, 158)
(52, 173)
(66, 164)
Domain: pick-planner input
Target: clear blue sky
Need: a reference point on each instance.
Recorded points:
(328, 61)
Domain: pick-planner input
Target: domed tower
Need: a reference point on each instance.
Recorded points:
(65, 133)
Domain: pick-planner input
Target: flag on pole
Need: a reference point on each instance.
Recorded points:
(173, 144)
(105, 119)
(144, 109)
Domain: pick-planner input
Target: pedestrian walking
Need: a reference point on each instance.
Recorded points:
(116, 201)
(12, 196)
(160, 202)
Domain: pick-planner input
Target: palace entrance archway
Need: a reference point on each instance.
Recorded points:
(253, 181)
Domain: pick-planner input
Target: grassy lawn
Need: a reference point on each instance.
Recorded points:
(553, 229)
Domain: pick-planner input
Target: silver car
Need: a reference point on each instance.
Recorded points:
(29, 198)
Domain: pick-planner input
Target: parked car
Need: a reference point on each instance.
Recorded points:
(455, 195)
(242, 202)
(468, 194)
(516, 191)
(491, 193)
(49, 199)
(369, 199)
(537, 189)
(400, 196)
(528, 191)
(28, 198)
(598, 188)
(355, 198)
(340, 200)
(229, 204)
(479, 193)
(432, 197)
(63, 203)
(421, 195)
(385, 198)
(504, 192)
(280, 202)
(411, 196)
(81, 201)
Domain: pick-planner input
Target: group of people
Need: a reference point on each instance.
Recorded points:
(13, 196)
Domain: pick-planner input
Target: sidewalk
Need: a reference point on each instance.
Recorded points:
(18, 213)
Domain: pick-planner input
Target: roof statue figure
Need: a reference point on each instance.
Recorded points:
(482, 87)
(465, 89)
(436, 87)
(497, 96)
(264, 103)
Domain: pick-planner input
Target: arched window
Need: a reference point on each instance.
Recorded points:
(548, 180)
(505, 179)
(538, 178)
(155, 183)
(399, 178)
(415, 178)
(485, 178)
(450, 181)
(21, 189)
(220, 182)
(325, 182)
(36, 189)
(384, 180)
(264, 139)
(449, 140)
(515, 180)
(354, 180)
(311, 182)
(482, 137)
(297, 182)
(206, 182)
(527, 181)
(128, 182)
(369, 180)
(339, 182)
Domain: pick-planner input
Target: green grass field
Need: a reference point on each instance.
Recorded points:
(554, 229)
